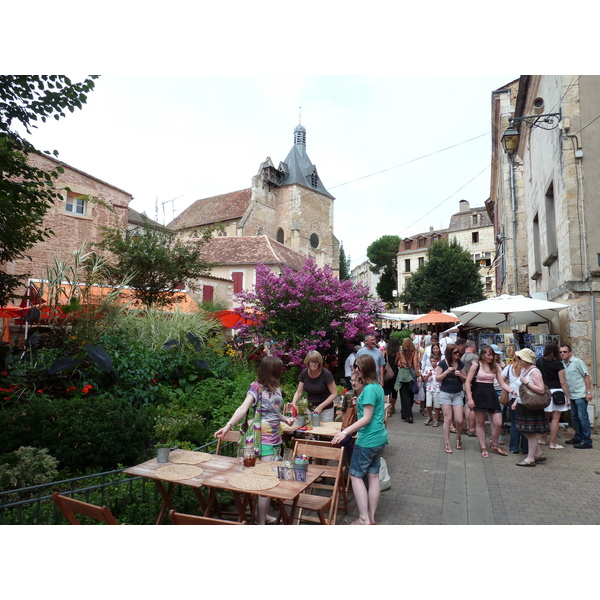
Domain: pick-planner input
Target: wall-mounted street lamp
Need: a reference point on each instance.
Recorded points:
(510, 138)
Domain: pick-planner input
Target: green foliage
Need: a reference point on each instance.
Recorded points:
(155, 327)
(386, 285)
(26, 192)
(26, 467)
(449, 278)
(401, 335)
(383, 252)
(82, 433)
(345, 272)
(156, 260)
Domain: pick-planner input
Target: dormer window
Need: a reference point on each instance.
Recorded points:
(314, 178)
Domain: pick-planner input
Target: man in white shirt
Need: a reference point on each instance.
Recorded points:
(349, 364)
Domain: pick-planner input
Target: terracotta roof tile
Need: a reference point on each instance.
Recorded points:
(215, 209)
(251, 250)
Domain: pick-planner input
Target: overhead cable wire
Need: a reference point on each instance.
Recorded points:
(408, 162)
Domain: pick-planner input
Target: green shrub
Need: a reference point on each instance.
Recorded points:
(95, 432)
(405, 333)
(26, 467)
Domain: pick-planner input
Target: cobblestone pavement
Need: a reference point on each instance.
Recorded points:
(430, 487)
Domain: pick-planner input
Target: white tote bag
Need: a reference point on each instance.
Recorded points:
(384, 476)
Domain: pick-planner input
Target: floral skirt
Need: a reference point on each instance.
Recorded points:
(531, 421)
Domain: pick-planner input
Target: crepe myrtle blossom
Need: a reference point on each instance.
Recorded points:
(307, 310)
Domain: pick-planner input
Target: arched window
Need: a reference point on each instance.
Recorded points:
(280, 236)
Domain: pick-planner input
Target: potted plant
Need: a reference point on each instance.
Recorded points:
(302, 407)
(162, 452)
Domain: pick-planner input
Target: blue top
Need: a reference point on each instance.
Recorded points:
(374, 434)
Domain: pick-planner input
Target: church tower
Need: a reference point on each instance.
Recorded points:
(301, 206)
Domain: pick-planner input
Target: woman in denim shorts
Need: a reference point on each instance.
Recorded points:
(451, 373)
(372, 438)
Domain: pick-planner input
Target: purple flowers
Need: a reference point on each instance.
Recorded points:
(307, 310)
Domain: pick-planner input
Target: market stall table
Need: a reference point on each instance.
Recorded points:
(215, 474)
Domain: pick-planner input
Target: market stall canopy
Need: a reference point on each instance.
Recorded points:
(396, 316)
(435, 316)
(507, 310)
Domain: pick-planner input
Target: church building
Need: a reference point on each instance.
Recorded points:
(288, 206)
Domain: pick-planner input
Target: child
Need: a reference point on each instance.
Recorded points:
(372, 437)
(433, 392)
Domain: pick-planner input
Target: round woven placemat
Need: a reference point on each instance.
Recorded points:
(178, 472)
(252, 482)
(189, 458)
(267, 468)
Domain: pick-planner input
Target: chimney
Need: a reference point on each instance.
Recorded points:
(430, 229)
(464, 206)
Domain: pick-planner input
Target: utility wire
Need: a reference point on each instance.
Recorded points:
(408, 162)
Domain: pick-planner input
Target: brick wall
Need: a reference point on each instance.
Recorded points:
(70, 230)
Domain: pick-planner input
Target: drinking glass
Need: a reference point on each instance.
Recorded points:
(277, 453)
(249, 456)
(288, 456)
(240, 456)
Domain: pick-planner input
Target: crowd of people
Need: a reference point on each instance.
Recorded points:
(455, 385)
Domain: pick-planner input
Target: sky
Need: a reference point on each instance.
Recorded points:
(398, 152)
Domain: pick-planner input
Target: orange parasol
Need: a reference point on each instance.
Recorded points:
(435, 316)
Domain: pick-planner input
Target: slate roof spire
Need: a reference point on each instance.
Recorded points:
(297, 166)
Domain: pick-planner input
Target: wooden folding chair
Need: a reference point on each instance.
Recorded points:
(344, 482)
(230, 436)
(321, 503)
(69, 507)
(183, 519)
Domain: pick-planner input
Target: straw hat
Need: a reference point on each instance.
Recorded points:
(526, 355)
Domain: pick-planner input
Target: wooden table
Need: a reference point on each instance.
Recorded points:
(334, 425)
(214, 476)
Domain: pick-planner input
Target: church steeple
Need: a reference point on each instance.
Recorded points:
(300, 135)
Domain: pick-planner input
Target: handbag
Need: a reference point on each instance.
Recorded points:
(504, 398)
(558, 398)
(384, 476)
(251, 426)
(349, 416)
(388, 372)
(533, 401)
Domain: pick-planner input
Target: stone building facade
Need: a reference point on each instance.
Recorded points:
(412, 254)
(362, 275)
(474, 231)
(553, 176)
(288, 205)
(77, 218)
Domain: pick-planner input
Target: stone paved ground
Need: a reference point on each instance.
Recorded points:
(430, 487)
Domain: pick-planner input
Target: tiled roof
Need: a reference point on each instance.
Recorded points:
(220, 208)
(251, 250)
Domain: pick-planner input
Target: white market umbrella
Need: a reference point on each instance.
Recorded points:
(507, 310)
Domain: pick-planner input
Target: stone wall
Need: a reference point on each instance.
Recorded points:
(110, 210)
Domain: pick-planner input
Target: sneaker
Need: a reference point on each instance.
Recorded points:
(542, 443)
(557, 447)
(501, 441)
(572, 441)
(583, 446)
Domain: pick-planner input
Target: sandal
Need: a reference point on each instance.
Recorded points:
(447, 448)
(542, 443)
(427, 421)
(458, 443)
(484, 453)
(471, 434)
(540, 458)
(556, 447)
(452, 429)
(499, 450)
(435, 424)
(525, 463)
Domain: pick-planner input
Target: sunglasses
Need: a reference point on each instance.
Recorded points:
(356, 367)
(455, 352)
(563, 352)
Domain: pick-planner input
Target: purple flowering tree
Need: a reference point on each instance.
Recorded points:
(307, 310)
